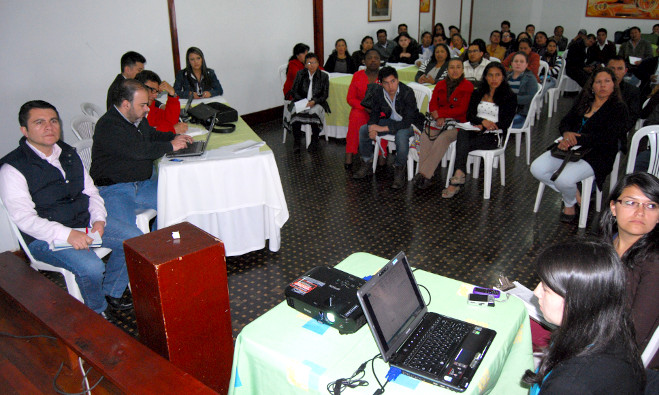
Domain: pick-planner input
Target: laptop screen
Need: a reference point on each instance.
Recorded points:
(392, 302)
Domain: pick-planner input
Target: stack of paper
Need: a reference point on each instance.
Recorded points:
(58, 245)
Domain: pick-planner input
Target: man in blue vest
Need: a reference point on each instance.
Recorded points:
(49, 195)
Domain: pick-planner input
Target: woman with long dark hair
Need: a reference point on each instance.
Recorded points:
(434, 69)
(491, 110)
(196, 78)
(406, 51)
(439, 30)
(630, 225)
(582, 291)
(295, 64)
(340, 60)
(597, 122)
(358, 57)
(555, 63)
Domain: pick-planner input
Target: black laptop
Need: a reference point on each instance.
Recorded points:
(196, 148)
(424, 345)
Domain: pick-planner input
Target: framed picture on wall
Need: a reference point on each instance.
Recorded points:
(424, 6)
(638, 9)
(379, 10)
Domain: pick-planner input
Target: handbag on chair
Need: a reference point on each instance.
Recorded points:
(571, 155)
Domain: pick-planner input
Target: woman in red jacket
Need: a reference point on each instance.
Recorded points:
(449, 101)
(295, 64)
(358, 114)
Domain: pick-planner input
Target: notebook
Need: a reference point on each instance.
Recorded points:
(424, 345)
(196, 148)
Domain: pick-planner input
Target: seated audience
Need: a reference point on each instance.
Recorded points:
(555, 63)
(439, 30)
(434, 69)
(393, 112)
(131, 64)
(635, 47)
(530, 30)
(491, 109)
(438, 39)
(582, 291)
(295, 64)
(402, 28)
(505, 27)
(514, 47)
(359, 115)
(167, 119)
(581, 35)
(339, 60)
(506, 42)
(384, 46)
(425, 49)
(123, 152)
(48, 194)
(576, 67)
(533, 58)
(313, 85)
(540, 43)
(406, 51)
(196, 78)
(494, 48)
(558, 37)
(630, 225)
(596, 122)
(453, 30)
(631, 95)
(457, 46)
(476, 63)
(358, 57)
(449, 101)
(648, 72)
(602, 51)
(523, 84)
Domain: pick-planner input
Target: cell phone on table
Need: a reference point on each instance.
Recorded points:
(487, 291)
(481, 300)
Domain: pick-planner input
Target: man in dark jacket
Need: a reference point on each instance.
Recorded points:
(602, 51)
(123, 152)
(576, 67)
(131, 64)
(393, 112)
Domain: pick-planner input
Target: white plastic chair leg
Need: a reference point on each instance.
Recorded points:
(538, 197)
(451, 167)
(586, 190)
(487, 165)
(376, 153)
(502, 168)
(476, 160)
(518, 143)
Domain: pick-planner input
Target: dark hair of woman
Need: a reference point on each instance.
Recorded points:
(587, 96)
(550, 58)
(206, 79)
(501, 93)
(446, 48)
(520, 53)
(362, 43)
(590, 278)
(298, 49)
(347, 53)
(608, 227)
(443, 32)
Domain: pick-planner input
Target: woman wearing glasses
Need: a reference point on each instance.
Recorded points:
(631, 226)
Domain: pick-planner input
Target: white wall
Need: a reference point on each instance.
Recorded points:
(348, 19)
(67, 52)
(545, 15)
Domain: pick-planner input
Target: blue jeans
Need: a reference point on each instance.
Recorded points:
(95, 279)
(518, 121)
(122, 200)
(402, 141)
(545, 165)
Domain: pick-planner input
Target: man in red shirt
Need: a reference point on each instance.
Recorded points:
(167, 119)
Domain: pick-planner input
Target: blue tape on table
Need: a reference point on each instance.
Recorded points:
(317, 370)
(315, 326)
(406, 381)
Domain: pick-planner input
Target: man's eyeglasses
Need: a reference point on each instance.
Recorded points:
(631, 204)
(152, 90)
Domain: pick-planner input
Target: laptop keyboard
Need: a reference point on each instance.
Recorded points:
(436, 344)
(192, 148)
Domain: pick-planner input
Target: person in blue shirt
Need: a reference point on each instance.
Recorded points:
(593, 351)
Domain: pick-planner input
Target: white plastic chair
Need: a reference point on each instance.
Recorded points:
(91, 110)
(143, 217)
(69, 277)
(639, 122)
(489, 157)
(83, 126)
(586, 190)
(526, 128)
(542, 73)
(652, 133)
(651, 348)
(554, 93)
(282, 79)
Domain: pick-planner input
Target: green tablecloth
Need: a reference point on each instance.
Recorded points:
(242, 133)
(286, 352)
(407, 74)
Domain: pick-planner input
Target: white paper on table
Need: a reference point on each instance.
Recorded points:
(194, 130)
(634, 59)
(58, 245)
(301, 105)
(467, 126)
(244, 148)
(531, 302)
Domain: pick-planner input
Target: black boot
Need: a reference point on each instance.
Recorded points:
(399, 177)
(364, 171)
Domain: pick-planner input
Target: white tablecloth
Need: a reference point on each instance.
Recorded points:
(235, 197)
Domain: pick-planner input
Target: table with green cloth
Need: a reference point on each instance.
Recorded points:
(287, 352)
(234, 195)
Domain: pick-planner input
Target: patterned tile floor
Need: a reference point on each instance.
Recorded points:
(333, 216)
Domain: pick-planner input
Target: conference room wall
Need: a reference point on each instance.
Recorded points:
(545, 15)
